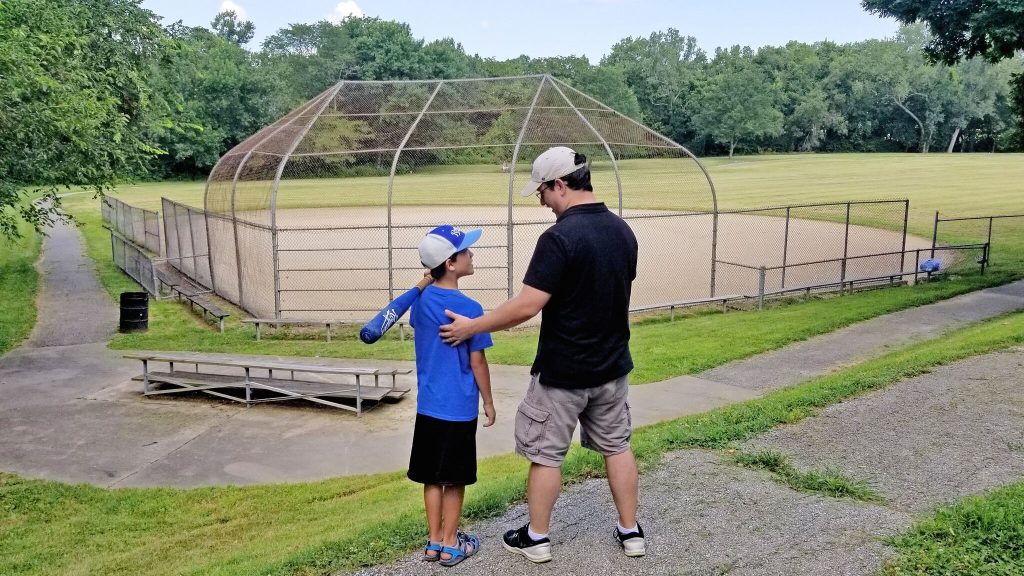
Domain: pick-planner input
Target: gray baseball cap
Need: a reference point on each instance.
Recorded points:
(551, 164)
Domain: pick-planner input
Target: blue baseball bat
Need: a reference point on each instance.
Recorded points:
(386, 318)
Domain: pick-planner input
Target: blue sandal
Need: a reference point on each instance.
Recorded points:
(468, 544)
(432, 547)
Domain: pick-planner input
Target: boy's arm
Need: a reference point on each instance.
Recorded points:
(482, 373)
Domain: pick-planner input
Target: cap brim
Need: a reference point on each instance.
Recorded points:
(530, 189)
(469, 239)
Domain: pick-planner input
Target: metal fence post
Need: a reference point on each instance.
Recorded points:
(935, 233)
(903, 247)
(760, 289)
(988, 244)
(177, 235)
(785, 249)
(846, 250)
(192, 238)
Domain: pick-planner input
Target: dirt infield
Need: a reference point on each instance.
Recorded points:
(334, 261)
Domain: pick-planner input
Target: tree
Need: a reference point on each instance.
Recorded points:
(216, 95)
(798, 73)
(737, 102)
(226, 25)
(962, 29)
(73, 102)
(974, 87)
(662, 70)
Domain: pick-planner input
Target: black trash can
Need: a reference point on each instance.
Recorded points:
(134, 311)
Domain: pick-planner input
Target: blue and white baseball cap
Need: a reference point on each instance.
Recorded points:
(440, 243)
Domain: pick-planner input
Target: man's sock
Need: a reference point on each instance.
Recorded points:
(533, 535)
(623, 530)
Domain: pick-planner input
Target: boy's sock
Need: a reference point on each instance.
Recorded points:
(534, 535)
(624, 530)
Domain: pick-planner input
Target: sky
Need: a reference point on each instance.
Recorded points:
(540, 28)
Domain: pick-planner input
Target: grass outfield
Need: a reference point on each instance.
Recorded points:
(344, 523)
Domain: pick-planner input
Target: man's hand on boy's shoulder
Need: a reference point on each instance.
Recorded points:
(490, 413)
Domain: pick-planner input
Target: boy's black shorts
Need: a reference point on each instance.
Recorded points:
(443, 452)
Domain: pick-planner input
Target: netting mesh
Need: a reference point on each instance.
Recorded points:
(319, 214)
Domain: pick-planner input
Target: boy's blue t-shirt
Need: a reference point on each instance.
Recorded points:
(447, 387)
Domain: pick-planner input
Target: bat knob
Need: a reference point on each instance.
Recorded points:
(368, 336)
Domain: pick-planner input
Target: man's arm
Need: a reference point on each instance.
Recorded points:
(523, 306)
(482, 373)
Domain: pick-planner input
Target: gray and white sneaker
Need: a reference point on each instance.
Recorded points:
(632, 542)
(519, 542)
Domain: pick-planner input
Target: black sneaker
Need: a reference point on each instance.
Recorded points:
(632, 542)
(519, 541)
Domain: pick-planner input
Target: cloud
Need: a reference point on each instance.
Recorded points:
(345, 9)
(229, 5)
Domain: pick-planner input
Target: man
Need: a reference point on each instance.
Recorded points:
(581, 276)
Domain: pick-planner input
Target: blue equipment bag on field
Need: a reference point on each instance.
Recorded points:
(930, 265)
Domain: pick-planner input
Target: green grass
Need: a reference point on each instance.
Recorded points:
(18, 284)
(981, 535)
(344, 523)
(827, 482)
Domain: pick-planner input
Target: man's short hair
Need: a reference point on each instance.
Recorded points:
(580, 179)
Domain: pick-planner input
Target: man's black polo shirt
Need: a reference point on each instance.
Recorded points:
(587, 262)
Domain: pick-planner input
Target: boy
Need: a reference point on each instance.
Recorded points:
(450, 381)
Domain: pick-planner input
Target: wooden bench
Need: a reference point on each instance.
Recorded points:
(278, 322)
(182, 288)
(237, 381)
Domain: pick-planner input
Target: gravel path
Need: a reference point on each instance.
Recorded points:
(703, 515)
(922, 442)
(932, 439)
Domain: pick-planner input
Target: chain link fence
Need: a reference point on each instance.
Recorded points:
(807, 245)
(135, 261)
(981, 229)
(133, 223)
(186, 247)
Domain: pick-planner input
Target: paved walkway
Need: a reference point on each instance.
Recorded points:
(74, 414)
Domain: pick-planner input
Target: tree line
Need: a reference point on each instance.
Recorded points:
(95, 91)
